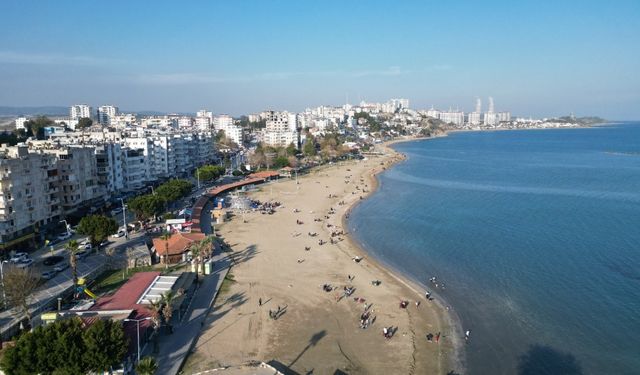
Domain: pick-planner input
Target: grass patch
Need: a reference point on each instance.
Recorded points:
(227, 282)
(113, 279)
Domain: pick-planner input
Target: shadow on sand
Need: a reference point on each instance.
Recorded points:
(545, 360)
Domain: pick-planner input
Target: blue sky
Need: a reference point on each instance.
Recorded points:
(535, 58)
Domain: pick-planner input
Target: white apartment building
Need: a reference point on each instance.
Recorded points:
(205, 113)
(158, 122)
(452, 117)
(434, 113)
(124, 120)
(504, 116)
(28, 194)
(185, 122)
(78, 177)
(134, 167)
(109, 163)
(106, 114)
(78, 111)
(474, 118)
(226, 124)
(203, 123)
(281, 129)
(490, 118)
(20, 123)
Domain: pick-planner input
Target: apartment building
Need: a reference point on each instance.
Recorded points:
(20, 123)
(281, 129)
(107, 114)
(109, 164)
(28, 195)
(78, 178)
(78, 111)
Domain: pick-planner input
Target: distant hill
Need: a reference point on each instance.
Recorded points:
(34, 111)
(589, 120)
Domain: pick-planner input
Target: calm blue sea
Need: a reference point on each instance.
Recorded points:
(536, 235)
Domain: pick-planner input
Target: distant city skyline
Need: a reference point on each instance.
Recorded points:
(534, 59)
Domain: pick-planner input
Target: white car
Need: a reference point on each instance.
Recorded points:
(19, 257)
(48, 275)
(64, 236)
(25, 263)
(119, 234)
(61, 267)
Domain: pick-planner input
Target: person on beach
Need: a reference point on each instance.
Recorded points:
(466, 335)
(259, 301)
(437, 337)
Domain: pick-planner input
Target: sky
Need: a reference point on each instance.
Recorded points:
(535, 58)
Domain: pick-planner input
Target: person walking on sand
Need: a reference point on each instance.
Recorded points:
(437, 337)
(466, 335)
(260, 301)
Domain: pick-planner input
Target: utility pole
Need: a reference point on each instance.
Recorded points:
(124, 219)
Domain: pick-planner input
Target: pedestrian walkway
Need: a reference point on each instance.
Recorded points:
(174, 348)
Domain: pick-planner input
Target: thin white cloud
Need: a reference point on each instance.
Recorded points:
(188, 78)
(12, 57)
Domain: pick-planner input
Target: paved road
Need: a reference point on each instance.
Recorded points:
(174, 348)
(48, 292)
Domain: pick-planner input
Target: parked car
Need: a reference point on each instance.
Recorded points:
(19, 257)
(50, 261)
(87, 246)
(25, 263)
(104, 243)
(64, 236)
(61, 267)
(116, 211)
(81, 254)
(119, 234)
(48, 275)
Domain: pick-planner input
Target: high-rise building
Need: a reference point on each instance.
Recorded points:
(20, 123)
(78, 111)
(107, 114)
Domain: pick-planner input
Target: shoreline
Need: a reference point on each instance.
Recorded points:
(452, 320)
(265, 250)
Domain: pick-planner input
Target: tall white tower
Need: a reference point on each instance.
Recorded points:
(478, 105)
(491, 105)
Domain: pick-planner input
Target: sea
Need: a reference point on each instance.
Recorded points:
(533, 237)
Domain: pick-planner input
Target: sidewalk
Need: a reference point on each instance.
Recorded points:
(175, 347)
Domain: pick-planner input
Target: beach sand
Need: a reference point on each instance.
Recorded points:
(317, 334)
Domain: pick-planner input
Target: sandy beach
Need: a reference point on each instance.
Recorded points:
(279, 263)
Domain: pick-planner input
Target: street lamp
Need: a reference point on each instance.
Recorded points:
(138, 330)
(4, 296)
(198, 177)
(66, 226)
(124, 219)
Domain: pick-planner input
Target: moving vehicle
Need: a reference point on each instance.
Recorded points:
(48, 275)
(81, 254)
(19, 257)
(64, 236)
(25, 263)
(61, 267)
(50, 261)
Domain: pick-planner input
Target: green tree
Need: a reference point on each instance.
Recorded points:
(35, 127)
(291, 149)
(97, 227)
(146, 366)
(106, 345)
(209, 172)
(281, 161)
(85, 122)
(19, 284)
(65, 347)
(147, 206)
(167, 310)
(309, 148)
(174, 189)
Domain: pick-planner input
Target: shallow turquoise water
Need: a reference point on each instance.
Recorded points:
(536, 235)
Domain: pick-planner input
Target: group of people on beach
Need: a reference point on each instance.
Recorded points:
(275, 314)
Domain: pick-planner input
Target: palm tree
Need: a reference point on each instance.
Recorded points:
(196, 250)
(146, 366)
(156, 315)
(72, 247)
(165, 237)
(167, 310)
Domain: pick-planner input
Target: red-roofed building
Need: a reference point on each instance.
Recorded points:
(176, 246)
